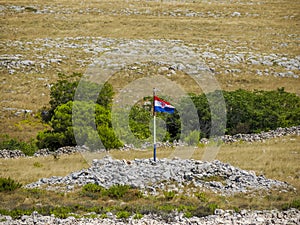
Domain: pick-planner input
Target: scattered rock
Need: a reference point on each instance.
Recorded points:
(291, 216)
(87, 49)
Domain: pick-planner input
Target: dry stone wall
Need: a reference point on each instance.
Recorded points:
(279, 132)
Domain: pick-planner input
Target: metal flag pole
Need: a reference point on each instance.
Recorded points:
(154, 127)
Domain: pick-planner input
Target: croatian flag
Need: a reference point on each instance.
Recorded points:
(162, 106)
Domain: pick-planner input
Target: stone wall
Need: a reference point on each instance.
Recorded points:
(279, 132)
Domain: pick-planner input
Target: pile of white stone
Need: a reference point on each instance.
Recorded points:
(279, 132)
(4, 153)
(164, 174)
(67, 150)
(228, 217)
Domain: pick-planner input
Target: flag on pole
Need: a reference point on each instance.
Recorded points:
(162, 106)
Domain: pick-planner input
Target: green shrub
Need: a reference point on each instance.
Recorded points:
(51, 140)
(16, 213)
(94, 188)
(123, 215)
(13, 144)
(294, 204)
(201, 211)
(8, 184)
(236, 209)
(93, 191)
(188, 214)
(103, 216)
(250, 112)
(61, 212)
(91, 126)
(212, 207)
(169, 195)
(117, 191)
(138, 216)
(192, 138)
(65, 88)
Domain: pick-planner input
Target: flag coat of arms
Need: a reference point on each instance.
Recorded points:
(162, 106)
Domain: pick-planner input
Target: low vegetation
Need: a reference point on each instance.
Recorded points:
(28, 148)
(81, 205)
(8, 184)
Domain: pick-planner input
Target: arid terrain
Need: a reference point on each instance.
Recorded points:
(252, 45)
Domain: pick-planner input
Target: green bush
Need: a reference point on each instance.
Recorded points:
(167, 208)
(94, 188)
(8, 184)
(188, 214)
(13, 144)
(294, 204)
(212, 207)
(117, 191)
(16, 213)
(103, 216)
(65, 88)
(91, 126)
(246, 112)
(251, 112)
(93, 191)
(192, 138)
(123, 215)
(138, 216)
(51, 140)
(61, 212)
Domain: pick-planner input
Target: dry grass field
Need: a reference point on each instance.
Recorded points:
(253, 28)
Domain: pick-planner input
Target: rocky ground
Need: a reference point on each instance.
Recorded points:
(41, 55)
(291, 217)
(36, 58)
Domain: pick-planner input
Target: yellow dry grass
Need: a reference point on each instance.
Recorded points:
(27, 170)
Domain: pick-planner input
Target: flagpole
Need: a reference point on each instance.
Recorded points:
(154, 127)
